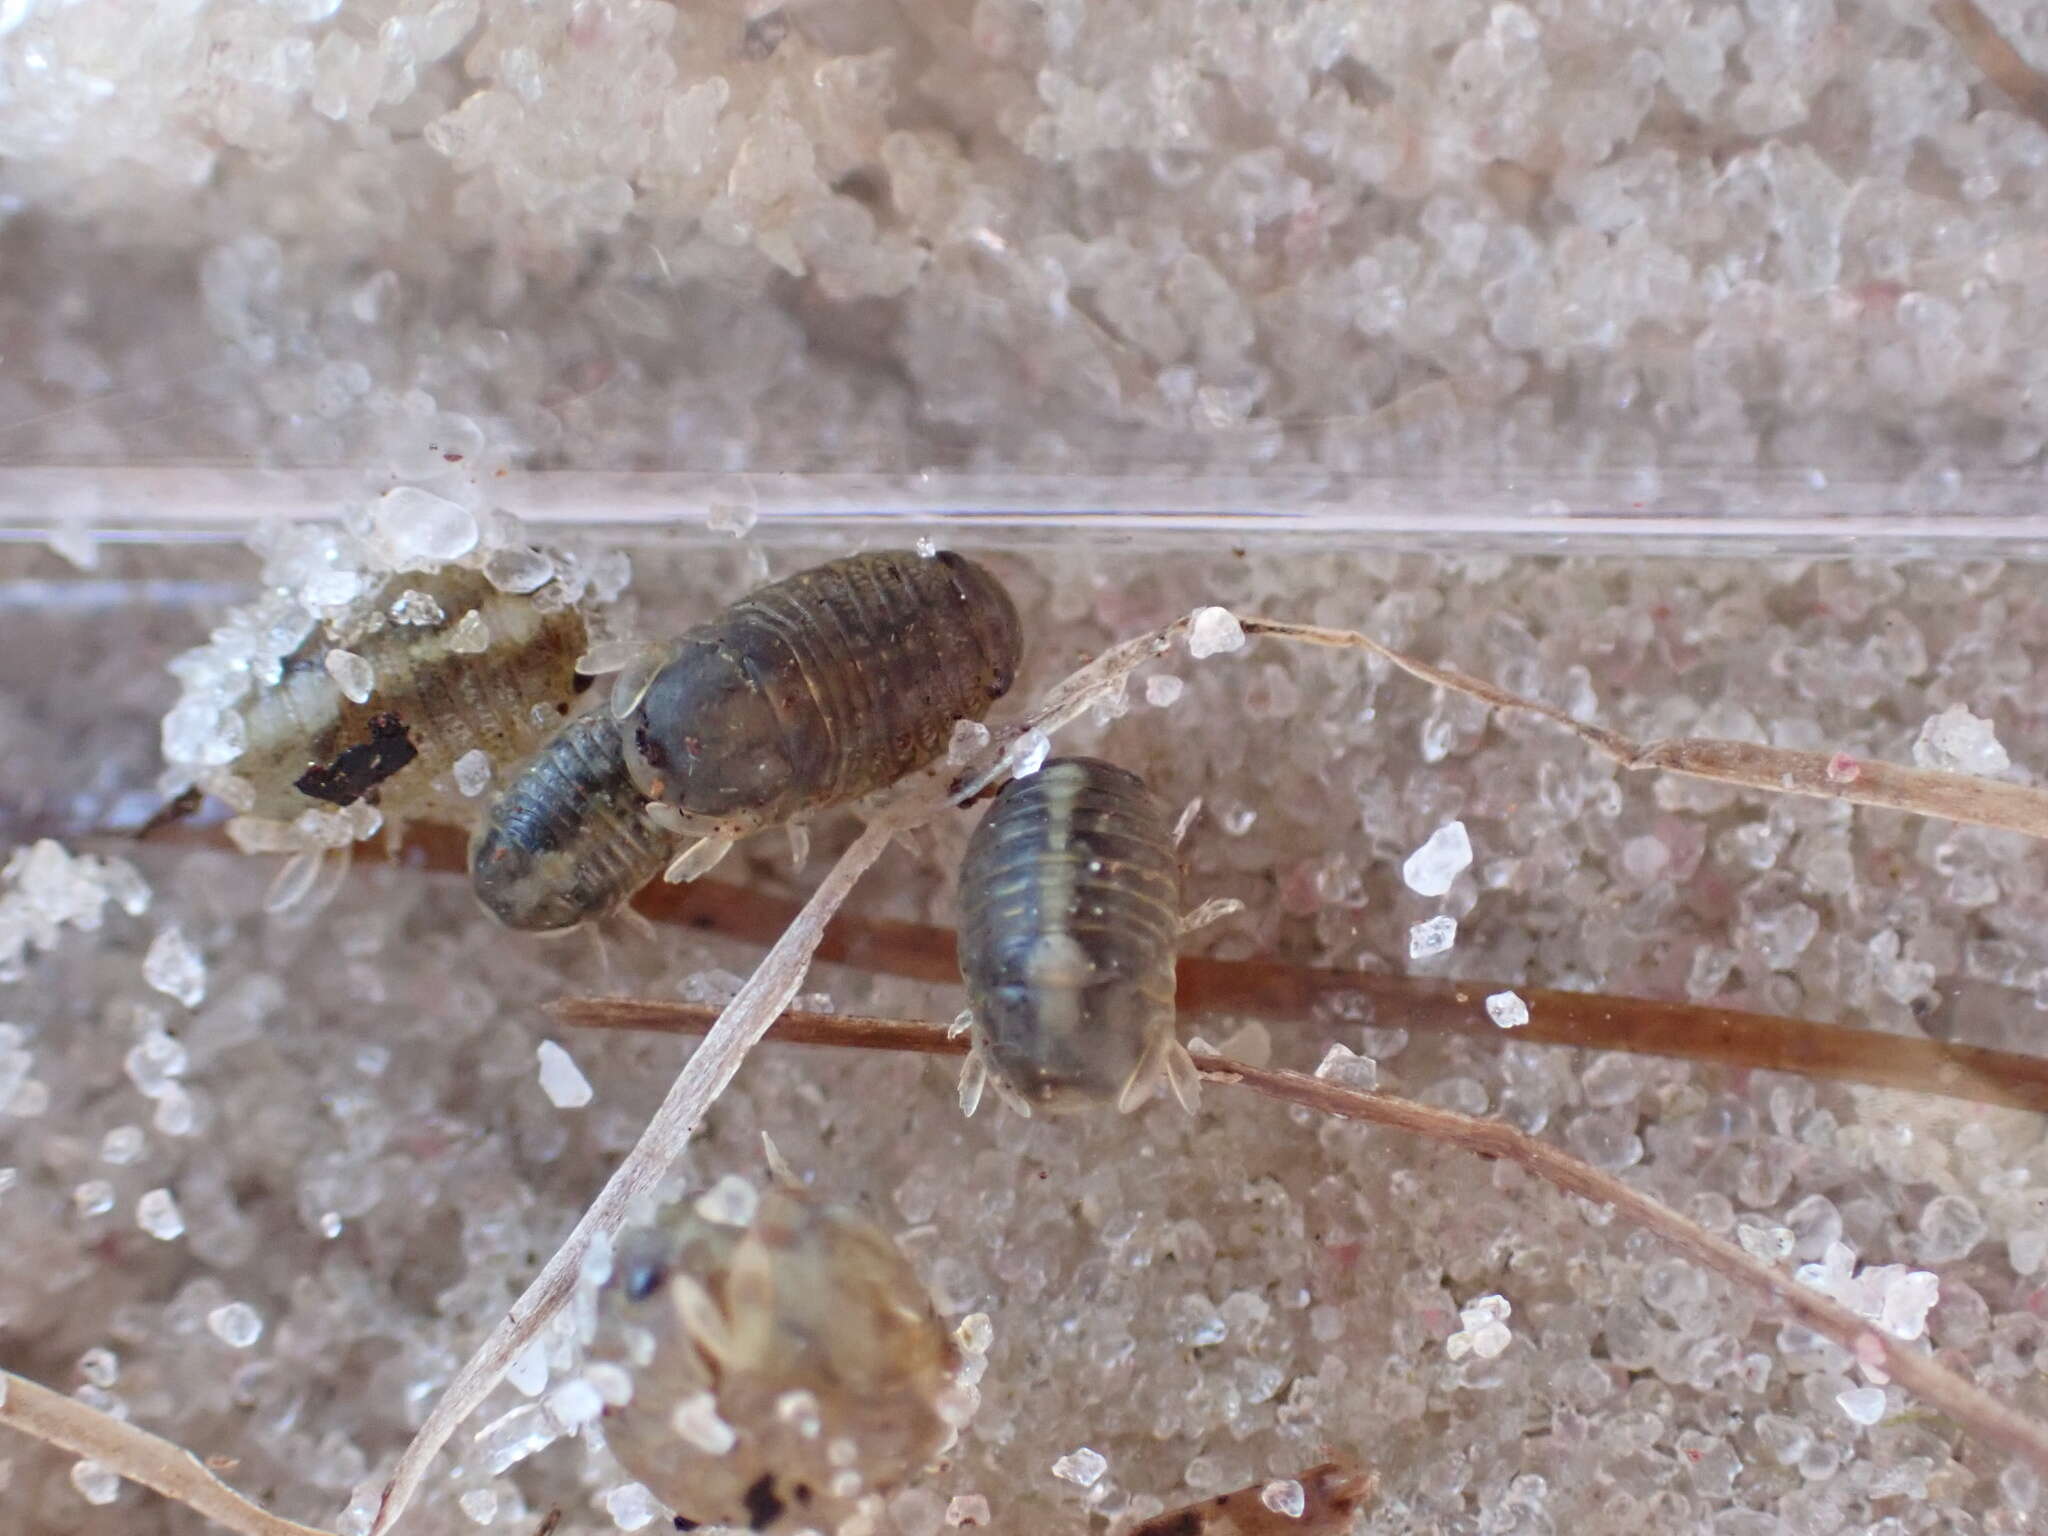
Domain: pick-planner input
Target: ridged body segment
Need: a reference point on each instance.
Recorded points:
(568, 839)
(821, 688)
(310, 746)
(811, 1304)
(1069, 921)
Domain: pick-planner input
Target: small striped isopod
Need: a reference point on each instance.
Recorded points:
(784, 1375)
(816, 690)
(1069, 918)
(569, 839)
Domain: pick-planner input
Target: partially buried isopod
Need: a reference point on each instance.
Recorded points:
(1069, 919)
(814, 691)
(570, 838)
(784, 1375)
(454, 666)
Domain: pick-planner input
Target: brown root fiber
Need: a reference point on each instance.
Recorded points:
(1287, 994)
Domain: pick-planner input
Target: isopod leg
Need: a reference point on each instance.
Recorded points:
(1182, 1077)
(1164, 1058)
(1009, 1095)
(779, 1168)
(604, 955)
(293, 880)
(641, 924)
(630, 686)
(697, 860)
(703, 1320)
(1209, 912)
(973, 1079)
(750, 1298)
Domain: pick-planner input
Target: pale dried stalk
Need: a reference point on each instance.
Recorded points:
(743, 1021)
(1979, 1414)
(766, 993)
(1751, 765)
(136, 1455)
(1997, 59)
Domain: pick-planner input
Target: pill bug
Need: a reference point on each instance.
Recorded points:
(443, 685)
(1069, 918)
(569, 838)
(784, 1375)
(816, 690)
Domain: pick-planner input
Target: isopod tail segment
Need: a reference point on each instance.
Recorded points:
(1166, 1058)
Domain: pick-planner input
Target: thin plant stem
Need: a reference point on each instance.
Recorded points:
(1958, 797)
(1996, 59)
(137, 1455)
(1332, 1496)
(734, 1030)
(1286, 994)
(1981, 1416)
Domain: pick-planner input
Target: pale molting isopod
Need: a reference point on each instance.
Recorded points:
(783, 1375)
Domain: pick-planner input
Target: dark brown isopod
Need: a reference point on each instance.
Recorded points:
(569, 839)
(816, 690)
(1069, 919)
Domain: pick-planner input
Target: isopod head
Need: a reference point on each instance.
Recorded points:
(706, 738)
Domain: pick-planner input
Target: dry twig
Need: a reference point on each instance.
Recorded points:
(1331, 1495)
(1750, 765)
(137, 1455)
(1284, 993)
(1996, 59)
(1979, 1414)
